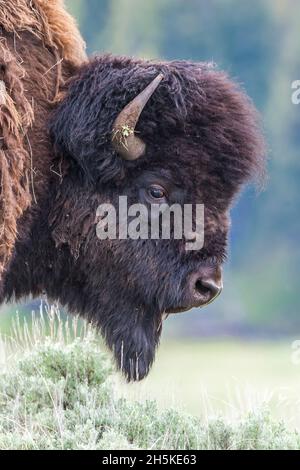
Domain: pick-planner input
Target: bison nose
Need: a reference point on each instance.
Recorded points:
(205, 286)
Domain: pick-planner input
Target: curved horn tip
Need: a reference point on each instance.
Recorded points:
(124, 140)
(160, 77)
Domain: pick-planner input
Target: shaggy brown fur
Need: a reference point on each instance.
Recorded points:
(39, 46)
(49, 21)
(16, 115)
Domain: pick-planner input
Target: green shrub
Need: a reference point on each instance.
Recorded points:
(56, 392)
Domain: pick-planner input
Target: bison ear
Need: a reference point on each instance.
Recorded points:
(81, 130)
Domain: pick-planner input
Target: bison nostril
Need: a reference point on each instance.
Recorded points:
(208, 289)
(201, 288)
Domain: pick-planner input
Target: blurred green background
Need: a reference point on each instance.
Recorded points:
(258, 43)
(242, 340)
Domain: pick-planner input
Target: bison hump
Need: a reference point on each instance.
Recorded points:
(40, 45)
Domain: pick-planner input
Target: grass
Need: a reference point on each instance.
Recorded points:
(223, 377)
(58, 390)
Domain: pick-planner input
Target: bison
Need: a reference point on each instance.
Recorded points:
(78, 132)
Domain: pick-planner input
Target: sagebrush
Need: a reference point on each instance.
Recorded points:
(57, 392)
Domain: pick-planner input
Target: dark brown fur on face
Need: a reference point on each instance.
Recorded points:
(203, 143)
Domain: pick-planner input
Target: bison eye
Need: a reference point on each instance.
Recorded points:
(157, 192)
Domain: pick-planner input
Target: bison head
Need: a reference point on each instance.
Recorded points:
(155, 132)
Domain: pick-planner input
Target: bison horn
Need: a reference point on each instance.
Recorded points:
(124, 140)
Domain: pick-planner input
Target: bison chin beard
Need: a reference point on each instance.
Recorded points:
(133, 338)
